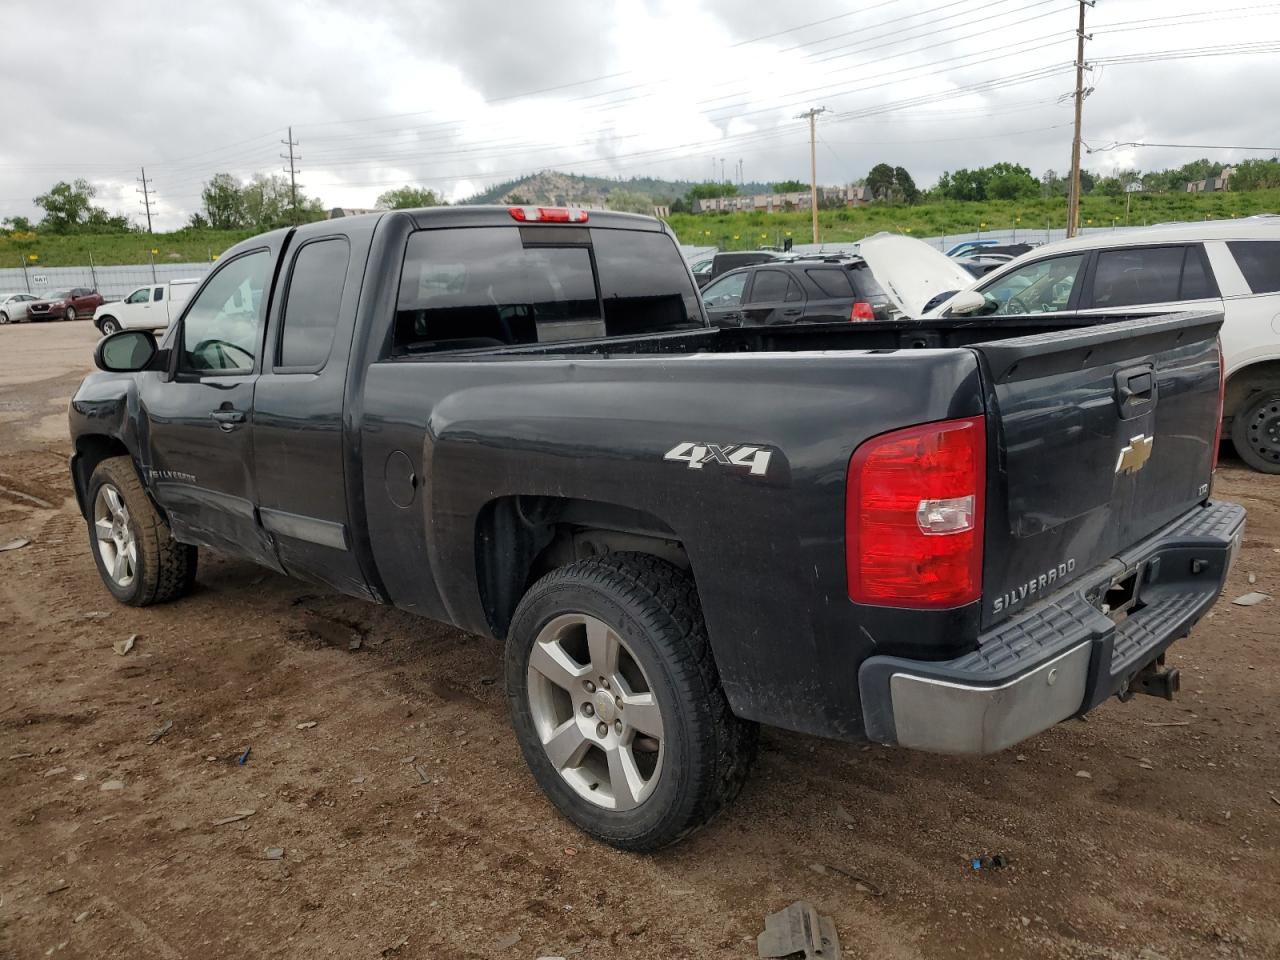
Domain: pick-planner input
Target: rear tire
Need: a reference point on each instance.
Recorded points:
(136, 555)
(640, 780)
(109, 325)
(1255, 430)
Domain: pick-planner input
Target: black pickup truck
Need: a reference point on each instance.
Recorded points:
(518, 421)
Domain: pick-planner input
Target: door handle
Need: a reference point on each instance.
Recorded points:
(792, 312)
(228, 419)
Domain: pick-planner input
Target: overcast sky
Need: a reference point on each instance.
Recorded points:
(457, 95)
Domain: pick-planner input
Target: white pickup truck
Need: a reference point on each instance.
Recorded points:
(147, 308)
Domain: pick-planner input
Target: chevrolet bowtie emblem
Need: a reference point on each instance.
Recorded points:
(1135, 454)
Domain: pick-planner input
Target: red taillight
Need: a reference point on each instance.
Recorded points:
(913, 516)
(862, 311)
(1222, 404)
(548, 214)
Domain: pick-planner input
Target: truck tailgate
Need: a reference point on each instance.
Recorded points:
(1097, 437)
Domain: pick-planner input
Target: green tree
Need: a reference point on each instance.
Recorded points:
(1109, 187)
(880, 182)
(66, 206)
(409, 198)
(710, 190)
(1256, 175)
(1009, 181)
(224, 201)
(17, 224)
(905, 185)
(790, 186)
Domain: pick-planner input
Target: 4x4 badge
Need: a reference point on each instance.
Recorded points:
(754, 459)
(1134, 456)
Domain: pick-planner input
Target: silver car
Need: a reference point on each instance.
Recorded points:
(16, 307)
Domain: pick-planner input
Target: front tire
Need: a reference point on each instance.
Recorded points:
(1255, 431)
(109, 325)
(136, 555)
(617, 702)
(70, 314)
(4, 318)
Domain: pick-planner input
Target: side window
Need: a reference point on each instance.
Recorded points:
(1259, 261)
(1041, 287)
(769, 286)
(1132, 276)
(643, 283)
(220, 329)
(159, 294)
(832, 282)
(313, 302)
(725, 292)
(139, 296)
(794, 293)
(486, 287)
(1196, 282)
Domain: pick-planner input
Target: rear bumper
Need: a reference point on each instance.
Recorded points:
(1062, 657)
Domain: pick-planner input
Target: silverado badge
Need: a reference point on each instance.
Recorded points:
(1135, 454)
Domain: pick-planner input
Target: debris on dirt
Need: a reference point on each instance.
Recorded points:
(798, 930)
(357, 780)
(122, 647)
(1274, 798)
(570, 851)
(307, 724)
(1167, 723)
(112, 785)
(164, 728)
(846, 816)
(1253, 578)
(354, 643)
(19, 495)
(96, 615)
(395, 948)
(81, 917)
(238, 815)
(1084, 774)
(55, 771)
(408, 759)
(421, 771)
(1021, 758)
(997, 862)
(1250, 599)
(19, 756)
(57, 888)
(243, 758)
(861, 884)
(273, 853)
(507, 942)
(17, 544)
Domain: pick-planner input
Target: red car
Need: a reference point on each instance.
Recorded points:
(67, 305)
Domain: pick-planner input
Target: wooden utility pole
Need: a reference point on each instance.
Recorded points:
(146, 195)
(293, 173)
(812, 114)
(1073, 194)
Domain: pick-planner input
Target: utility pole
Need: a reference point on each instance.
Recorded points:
(722, 179)
(812, 114)
(1073, 194)
(146, 195)
(740, 180)
(292, 170)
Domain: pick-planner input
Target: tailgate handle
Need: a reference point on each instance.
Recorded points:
(1135, 387)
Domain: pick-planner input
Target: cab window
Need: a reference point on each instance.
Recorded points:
(1041, 287)
(139, 296)
(220, 329)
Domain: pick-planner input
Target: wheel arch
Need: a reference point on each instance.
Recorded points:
(1245, 382)
(98, 321)
(518, 539)
(91, 450)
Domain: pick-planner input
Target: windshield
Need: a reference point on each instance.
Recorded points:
(59, 295)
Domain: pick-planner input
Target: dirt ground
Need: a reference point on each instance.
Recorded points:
(407, 826)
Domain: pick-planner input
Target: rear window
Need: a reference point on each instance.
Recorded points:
(832, 281)
(1259, 261)
(494, 286)
(1137, 275)
(313, 302)
(864, 282)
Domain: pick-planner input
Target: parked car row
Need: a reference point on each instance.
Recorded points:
(62, 305)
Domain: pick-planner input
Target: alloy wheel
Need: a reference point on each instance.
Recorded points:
(117, 545)
(595, 712)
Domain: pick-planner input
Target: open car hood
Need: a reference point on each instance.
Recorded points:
(911, 272)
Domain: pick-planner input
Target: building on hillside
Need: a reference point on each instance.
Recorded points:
(1213, 184)
(337, 212)
(779, 202)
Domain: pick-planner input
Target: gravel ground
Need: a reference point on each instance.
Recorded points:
(383, 810)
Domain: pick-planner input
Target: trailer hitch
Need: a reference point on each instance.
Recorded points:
(1153, 680)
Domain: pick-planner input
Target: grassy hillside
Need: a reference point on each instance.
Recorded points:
(183, 246)
(728, 231)
(551, 186)
(748, 230)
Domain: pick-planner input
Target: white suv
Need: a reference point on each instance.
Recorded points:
(1227, 265)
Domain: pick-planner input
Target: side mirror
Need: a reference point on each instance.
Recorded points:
(966, 302)
(125, 352)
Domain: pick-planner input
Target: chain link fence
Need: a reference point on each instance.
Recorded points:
(114, 283)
